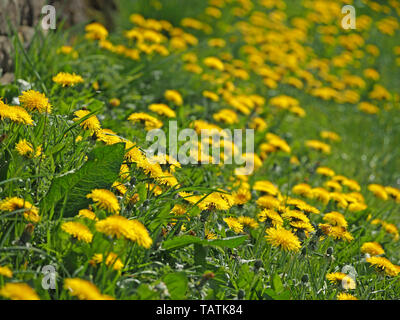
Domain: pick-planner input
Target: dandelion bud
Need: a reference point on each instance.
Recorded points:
(208, 275)
(258, 264)
(241, 294)
(304, 278)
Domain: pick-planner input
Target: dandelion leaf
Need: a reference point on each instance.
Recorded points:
(68, 193)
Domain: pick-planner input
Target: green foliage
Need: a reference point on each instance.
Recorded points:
(67, 194)
(178, 242)
(194, 254)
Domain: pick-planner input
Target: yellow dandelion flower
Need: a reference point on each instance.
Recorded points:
(178, 210)
(226, 116)
(192, 23)
(346, 296)
(86, 213)
(266, 186)
(384, 264)
(330, 135)
(268, 202)
(162, 110)
(335, 276)
(277, 142)
(283, 239)
(369, 108)
(18, 291)
(372, 248)
(391, 229)
(241, 196)
(393, 192)
(217, 43)
(303, 206)
(215, 200)
(258, 124)
(91, 123)
(210, 95)
(351, 184)
(302, 189)
(112, 260)
(65, 49)
(118, 226)
(318, 145)
(335, 218)
(96, 31)
(24, 148)
(248, 221)
(234, 224)
(378, 191)
(67, 79)
(84, 290)
(336, 232)
(295, 215)
(298, 111)
(31, 213)
(320, 194)
(174, 96)
(105, 199)
(194, 68)
(78, 230)
(213, 12)
(149, 121)
(34, 101)
(108, 136)
(214, 63)
(15, 114)
(283, 101)
(325, 171)
(357, 206)
(333, 185)
(210, 235)
(306, 226)
(272, 216)
(6, 272)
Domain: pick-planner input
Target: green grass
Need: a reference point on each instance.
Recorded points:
(244, 265)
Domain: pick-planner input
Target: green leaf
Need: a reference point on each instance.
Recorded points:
(145, 293)
(68, 192)
(285, 295)
(5, 163)
(270, 294)
(200, 254)
(179, 242)
(142, 191)
(231, 242)
(177, 285)
(95, 105)
(276, 282)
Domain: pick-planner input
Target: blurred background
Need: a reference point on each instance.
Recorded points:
(24, 15)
